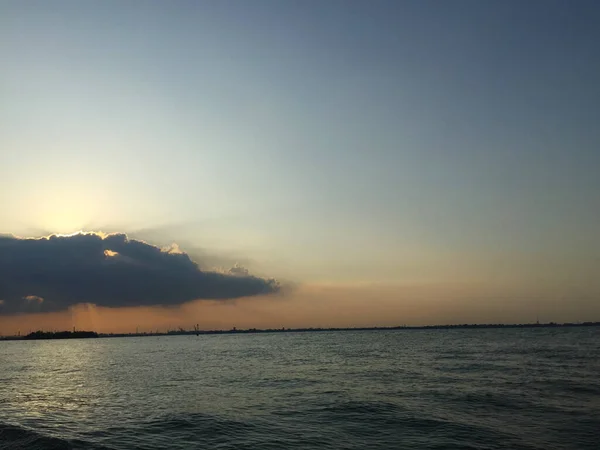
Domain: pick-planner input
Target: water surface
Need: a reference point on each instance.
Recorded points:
(403, 389)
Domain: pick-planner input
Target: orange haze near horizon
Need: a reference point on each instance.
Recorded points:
(321, 306)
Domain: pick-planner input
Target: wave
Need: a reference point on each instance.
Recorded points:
(402, 426)
(14, 437)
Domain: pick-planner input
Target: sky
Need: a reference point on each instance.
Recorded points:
(347, 163)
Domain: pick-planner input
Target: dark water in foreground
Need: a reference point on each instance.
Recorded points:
(441, 389)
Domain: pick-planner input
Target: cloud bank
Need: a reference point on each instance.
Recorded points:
(56, 272)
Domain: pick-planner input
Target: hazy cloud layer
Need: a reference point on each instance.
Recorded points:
(53, 273)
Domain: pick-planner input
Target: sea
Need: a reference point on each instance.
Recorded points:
(536, 388)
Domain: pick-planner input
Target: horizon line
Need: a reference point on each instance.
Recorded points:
(234, 330)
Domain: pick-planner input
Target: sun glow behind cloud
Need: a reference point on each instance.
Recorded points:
(62, 209)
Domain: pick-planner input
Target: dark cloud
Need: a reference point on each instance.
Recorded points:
(53, 273)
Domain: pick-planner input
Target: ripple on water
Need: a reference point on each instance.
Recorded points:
(478, 389)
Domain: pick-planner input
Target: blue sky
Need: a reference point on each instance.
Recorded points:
(330, 141)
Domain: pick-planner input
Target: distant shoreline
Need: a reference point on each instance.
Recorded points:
(40, 335)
